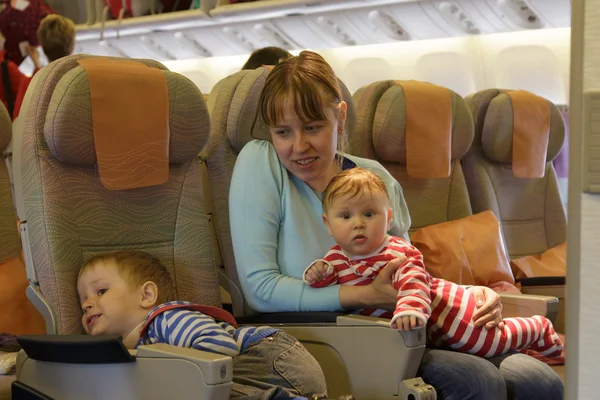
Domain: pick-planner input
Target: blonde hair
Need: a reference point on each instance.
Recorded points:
(352, 182)
(57, 36)
(311, 82)
(137, 268)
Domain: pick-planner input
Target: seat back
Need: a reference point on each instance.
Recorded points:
(17, 315)
(530, 209)
(235, 122)
(9, 236)
(73, 209)
(382, 133)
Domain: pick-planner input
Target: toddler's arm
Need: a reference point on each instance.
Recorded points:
(413, 285)
(193, 329)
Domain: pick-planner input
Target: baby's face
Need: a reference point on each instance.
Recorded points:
(110, 306)
(359, 224)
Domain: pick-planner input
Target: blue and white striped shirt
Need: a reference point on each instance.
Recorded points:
(178, 324)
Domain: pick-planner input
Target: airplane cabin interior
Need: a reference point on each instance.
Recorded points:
(483, 113)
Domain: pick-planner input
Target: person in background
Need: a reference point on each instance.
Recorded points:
(56, 34)
(266, 56)
(10, 78)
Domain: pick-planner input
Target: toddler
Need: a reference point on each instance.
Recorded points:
(130, 293)
(357, 214)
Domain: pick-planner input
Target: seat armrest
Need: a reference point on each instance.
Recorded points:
(361, 320)
(286, 318)
(554, 287)
(216, 368)
(525, 305)
(412, 338)
(543, 281)
(334, 339)
(158, 371)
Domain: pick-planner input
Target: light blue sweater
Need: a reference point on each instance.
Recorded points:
(277, 230)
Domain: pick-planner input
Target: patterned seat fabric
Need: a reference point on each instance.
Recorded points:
(71, 216)
(530, 210)
(9, 237)
(381, 123)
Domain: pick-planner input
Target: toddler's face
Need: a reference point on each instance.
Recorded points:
(359, 224)
(110, 306)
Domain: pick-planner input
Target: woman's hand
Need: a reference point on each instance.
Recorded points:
(489, 307)
(379, 294)
(384, 295)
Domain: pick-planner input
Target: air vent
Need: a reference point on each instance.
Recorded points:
(519, 13)
(182, 37)
(157, 48)
(336, 31)
(111, 50)
(272, 36)
(455, 16)
(388, 25)
(239, 38)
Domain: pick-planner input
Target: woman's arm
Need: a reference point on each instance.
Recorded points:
(255, 216)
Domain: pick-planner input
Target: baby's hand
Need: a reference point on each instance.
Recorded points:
(317, 272)
(407, 323)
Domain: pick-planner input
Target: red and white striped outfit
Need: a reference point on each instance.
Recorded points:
(446, 308)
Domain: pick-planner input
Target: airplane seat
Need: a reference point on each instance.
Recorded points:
(427, 164)
(393, 358)
(17, 315)
(561, 162)
(101, 168)
(520, 188)
(381, 134)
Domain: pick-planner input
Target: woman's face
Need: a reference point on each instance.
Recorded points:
(307, 148)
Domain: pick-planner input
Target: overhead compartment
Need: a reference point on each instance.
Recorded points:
(533, 14)
(556, 14)
(235, 29)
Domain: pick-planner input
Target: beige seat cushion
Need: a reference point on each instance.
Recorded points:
(382, 112)
(530, 210)
(59, 156)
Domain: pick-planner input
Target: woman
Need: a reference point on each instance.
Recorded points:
(276, 228)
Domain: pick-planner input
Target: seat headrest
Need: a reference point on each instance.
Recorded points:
(243, 122)
(513, 113)
(69, 126)
(5, 128)
(414, 123)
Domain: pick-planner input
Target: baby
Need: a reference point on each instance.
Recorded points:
(129, 293)
(357, 213)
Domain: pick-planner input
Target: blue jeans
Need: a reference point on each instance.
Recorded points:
(459, 376)
(274, 368)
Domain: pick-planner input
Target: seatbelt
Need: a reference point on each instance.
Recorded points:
(7, 90)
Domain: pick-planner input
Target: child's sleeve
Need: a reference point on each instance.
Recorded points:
(332, 276)
(193, 329)
(413, 285)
